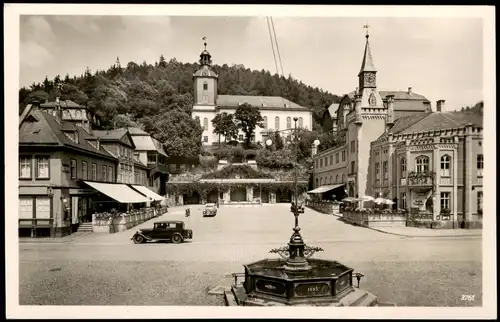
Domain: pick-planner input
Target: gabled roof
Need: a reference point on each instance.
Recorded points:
(159, 146)
(63, 103)
(446, 120)
(262, 102)
(367, 64)
(112, 135)
(136, 131)
(332, 109)
(48, 131)
(434, 121)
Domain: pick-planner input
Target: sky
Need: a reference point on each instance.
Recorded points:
(440, 58)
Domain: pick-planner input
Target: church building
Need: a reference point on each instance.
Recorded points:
(277, 112)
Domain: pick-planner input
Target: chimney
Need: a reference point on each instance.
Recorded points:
(390, 110)
(440, 106)
(427, 106)
(58, 110)
(409, 91)
(357, 108)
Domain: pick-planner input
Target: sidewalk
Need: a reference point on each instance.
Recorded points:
(424, 232)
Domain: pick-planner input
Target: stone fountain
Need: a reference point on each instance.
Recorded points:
(297, 279)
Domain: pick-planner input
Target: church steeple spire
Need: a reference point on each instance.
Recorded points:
(367, 64)
(367, 73)
(205, 57)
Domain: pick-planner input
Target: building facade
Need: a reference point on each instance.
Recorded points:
(149, 151)
(278, 112)
(432, 167)
(68, 170)
(53, 157)
(392, 145)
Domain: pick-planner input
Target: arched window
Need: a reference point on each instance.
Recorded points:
(403, 167)
(276, 123)
(372, 101)
(445, 166)
(205, 86)
(205, 124)
(343, 178)
(331, 178)
(337, 179)
(78, 114)
(264, 122)
(422, 164)
(301, 122)
(66, 114)
(320, 181)
(289, 122)
(317, 182)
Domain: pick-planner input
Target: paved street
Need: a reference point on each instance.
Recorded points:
(103, 269)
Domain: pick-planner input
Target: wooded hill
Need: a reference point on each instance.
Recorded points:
(159, 97)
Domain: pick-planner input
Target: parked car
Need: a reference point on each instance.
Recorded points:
(210, 210)
(174, 231)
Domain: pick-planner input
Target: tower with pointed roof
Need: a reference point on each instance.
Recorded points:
(366, 120)
(367, 79)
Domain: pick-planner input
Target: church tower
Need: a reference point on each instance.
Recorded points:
(205, 82)
(366, 125)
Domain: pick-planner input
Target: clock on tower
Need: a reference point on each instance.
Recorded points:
(369, 80)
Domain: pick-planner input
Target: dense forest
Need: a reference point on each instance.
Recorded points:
(159, 97)
(146, 90)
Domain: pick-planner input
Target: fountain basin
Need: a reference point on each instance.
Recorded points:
(327, 283)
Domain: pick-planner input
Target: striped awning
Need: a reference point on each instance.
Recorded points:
(119, 192)
(148, 192)
(324, 189)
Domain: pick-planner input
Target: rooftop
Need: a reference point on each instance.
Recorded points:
(262, 102)
(43, 128)
(63, 104)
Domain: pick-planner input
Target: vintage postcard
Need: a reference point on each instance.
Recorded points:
(193, 161)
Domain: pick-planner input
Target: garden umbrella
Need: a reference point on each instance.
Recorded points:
(366, 198)
(380, 201)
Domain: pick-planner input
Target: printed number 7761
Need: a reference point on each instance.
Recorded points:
(468, 298)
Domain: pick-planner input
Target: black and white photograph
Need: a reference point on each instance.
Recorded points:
(191, 161)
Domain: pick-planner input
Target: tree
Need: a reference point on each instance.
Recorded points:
(38, 96)
(162, 63)
(224, 125)
(125, 120)
(247, 119)
(179, 132)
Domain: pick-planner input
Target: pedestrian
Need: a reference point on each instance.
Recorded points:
(188, 212)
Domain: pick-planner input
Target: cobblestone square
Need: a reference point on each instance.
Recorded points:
(102, 269)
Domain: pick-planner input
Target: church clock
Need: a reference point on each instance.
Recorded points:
(369, 80)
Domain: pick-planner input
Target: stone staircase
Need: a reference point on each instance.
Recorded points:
(85, 227)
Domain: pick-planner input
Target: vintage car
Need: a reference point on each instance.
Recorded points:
(163, 230)
(210, 210)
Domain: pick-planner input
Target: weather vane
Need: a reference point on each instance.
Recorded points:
(205, 43)
(366, 26)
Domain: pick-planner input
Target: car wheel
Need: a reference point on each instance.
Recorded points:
(176, 238)
(138, 239)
